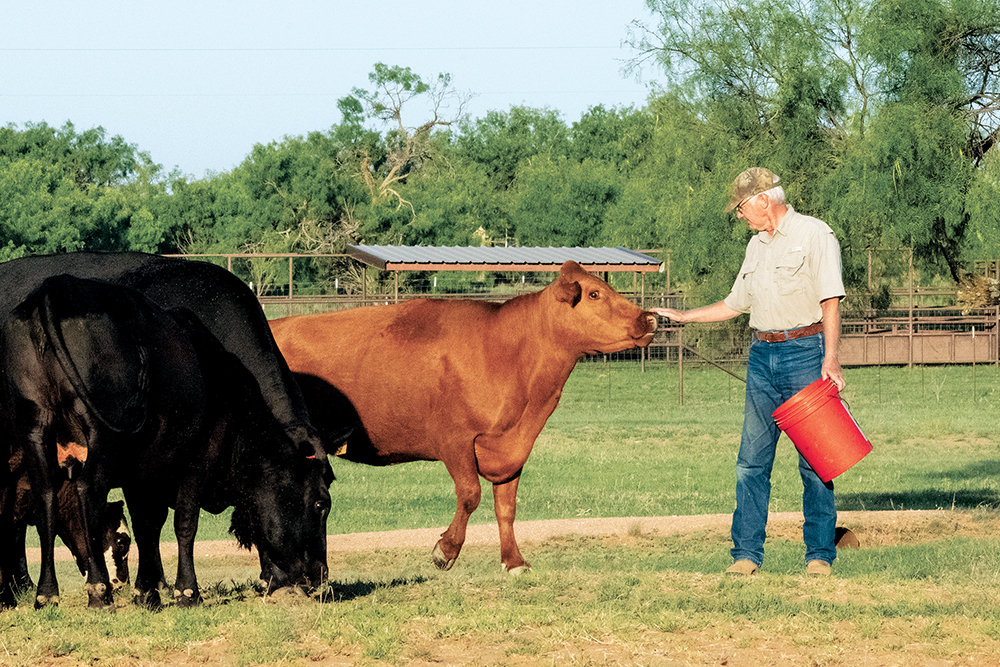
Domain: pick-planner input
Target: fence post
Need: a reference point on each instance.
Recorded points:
(680, 366)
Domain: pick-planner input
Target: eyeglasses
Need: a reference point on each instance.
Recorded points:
(739, 207)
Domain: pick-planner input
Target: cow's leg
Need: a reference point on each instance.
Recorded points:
(186, 592)
(468, 493)
(22, 578)
(147, 522)
(41, 476)
(505, 505)
(13, 564)
(48, 587)
(93, 499)
(13, 529)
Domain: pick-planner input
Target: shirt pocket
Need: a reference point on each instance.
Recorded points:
(790, 273)
(747, 274)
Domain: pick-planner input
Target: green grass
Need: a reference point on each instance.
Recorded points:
(635, 598)
(620, 445)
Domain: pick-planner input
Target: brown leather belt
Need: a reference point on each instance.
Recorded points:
(782, 336)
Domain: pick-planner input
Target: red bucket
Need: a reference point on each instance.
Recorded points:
(821, 428)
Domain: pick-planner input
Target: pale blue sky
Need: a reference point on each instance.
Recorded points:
(197, 83)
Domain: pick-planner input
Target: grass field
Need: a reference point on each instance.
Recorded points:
(620, 445)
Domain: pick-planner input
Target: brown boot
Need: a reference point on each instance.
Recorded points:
(818, 568)
(743, 568)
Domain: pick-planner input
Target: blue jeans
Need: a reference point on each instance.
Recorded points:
(775, 372)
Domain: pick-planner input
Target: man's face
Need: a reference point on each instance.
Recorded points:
(753, 210)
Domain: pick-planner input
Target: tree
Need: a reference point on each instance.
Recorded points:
(501, 141)
(918, 163)
(288, 196)
(619, 136)
(405, 147)
(674, 198)
(66, 191)
(561, 202)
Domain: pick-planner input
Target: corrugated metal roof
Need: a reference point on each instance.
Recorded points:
(474, 258)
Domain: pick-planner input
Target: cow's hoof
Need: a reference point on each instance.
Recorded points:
(516, 571)
(99, 597)
(147, 599)
(46, 600)
(187, 598)
(441, 561)
(8, 598)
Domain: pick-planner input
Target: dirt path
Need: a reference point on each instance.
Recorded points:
(537, 531)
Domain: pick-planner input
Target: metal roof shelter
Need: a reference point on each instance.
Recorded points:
(440, 258)
(477, 258)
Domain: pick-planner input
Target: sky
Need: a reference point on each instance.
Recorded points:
(197, 84)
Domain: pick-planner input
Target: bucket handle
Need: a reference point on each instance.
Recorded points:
(839, 397)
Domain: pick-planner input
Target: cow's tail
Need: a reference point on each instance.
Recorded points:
(114, 384)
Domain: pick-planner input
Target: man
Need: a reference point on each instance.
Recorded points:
(791, 285)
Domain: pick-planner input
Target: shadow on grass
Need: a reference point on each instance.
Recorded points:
(919, 499)
(974, 469)
(340, 591)
(931, 497)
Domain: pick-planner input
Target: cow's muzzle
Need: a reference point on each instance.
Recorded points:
(643, 329)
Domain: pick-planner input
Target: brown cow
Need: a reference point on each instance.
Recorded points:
(467, 383)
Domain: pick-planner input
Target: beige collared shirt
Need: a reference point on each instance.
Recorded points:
(784, 277)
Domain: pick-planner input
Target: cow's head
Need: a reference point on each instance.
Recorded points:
(278, 488)
(117, 542)
(596, 318)
(282, 507)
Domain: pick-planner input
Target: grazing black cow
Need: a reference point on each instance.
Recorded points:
(104, 386)
(218, 299)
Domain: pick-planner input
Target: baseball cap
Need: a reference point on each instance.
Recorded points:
(751, 182)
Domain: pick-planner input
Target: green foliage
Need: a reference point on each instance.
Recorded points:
(620, 137)
(501, 142)
(876, 114)
(563, 203)
(983, 238)
(64, 191)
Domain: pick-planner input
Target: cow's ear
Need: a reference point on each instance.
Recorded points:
(568, 291)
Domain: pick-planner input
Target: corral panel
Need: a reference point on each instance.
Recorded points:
(943, 348)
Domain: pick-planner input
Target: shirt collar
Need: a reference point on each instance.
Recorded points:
(781, 229)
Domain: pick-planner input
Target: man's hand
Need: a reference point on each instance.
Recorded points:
(831, 371)
(675, 315)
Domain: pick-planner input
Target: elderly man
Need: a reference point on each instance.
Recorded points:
(791, 285)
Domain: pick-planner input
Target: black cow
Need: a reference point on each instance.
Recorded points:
(104, 386)
(218, 299)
